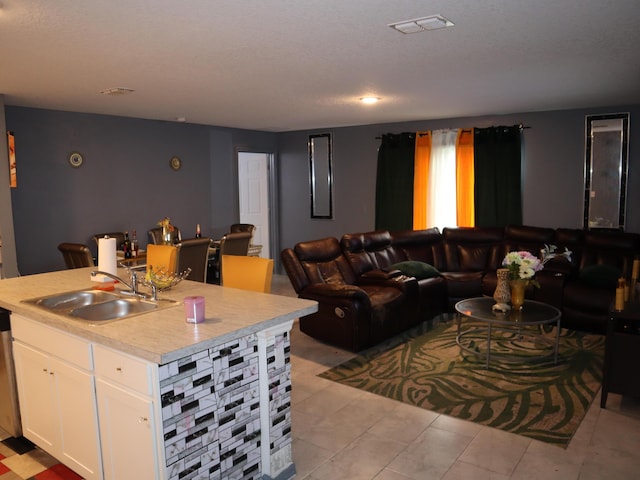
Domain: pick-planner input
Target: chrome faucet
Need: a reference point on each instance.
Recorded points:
(133, 286)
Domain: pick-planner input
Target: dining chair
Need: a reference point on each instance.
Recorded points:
(231, 244)
(155, 235)
(76, 255)
(119, 236)
(242, 227)
(162, 257)
(247, 273)
(193, 253)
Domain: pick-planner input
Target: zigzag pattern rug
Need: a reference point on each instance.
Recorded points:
(537, 399)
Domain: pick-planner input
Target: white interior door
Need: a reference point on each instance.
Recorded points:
(253, 193)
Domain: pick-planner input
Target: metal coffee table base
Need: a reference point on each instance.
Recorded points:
(525, 325)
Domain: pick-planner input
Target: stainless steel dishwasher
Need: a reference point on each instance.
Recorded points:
(9, 409)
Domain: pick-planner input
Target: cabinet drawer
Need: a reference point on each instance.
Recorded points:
(128, 371)
(55, 342)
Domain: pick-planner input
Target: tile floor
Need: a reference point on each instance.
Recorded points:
(344, 433)
(341, 433)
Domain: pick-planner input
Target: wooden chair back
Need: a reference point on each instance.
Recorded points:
(193, 253)
(76, 255)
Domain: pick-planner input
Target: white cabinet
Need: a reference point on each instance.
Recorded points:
(57, 395)
(126, 406)
(37, 404)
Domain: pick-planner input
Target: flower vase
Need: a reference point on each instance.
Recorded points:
(166, 235)
(502, 294)
(518, 287)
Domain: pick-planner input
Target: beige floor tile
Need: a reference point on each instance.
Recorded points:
(430, 455)
(10, 476)
(327, 430)
(403, 423)
(495, 450)
(307, 457)
(306, 386)
(456, 425)
(610, 465)
(6, 451)
(363, 459)
(549, 465)
(387, 474)
(607, 434)
(627, 406)
(30, 464)
(466, 471)
(573, 455)
(328, 400)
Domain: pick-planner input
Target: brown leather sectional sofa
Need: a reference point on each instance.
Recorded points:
(371, 286)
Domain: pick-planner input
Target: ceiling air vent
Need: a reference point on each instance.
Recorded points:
(117, 91)
(432, 22)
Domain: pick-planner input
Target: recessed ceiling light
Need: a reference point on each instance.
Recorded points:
(369, 100)
(432, 22)
(117, 91)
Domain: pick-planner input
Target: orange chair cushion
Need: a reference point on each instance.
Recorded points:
(247, 273)
(162, 257)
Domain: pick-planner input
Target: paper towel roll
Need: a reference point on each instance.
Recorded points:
(107, 261)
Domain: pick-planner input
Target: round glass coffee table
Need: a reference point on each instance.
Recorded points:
(516, 336)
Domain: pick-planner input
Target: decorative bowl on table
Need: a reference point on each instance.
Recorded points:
(161, 280)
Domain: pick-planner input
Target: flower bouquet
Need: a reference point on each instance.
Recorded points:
(522, 267)
(167, 229)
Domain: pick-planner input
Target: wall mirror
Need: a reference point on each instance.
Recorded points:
(605, 180)
(320, 176)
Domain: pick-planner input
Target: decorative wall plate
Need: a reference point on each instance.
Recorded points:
(75, 159)
(175, 163)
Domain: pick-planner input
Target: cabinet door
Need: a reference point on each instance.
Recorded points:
(79, 444)
(127, 432)
(37, 401)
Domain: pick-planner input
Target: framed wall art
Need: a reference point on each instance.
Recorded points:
(13, 176)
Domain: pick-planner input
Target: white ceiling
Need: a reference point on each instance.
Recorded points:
(279, 65)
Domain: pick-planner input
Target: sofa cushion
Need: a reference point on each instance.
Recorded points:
(419, 270)
(603, 276)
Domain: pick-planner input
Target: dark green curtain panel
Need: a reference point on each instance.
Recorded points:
(394, 182)
(498, 177)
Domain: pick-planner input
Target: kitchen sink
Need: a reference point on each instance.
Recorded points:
(98, 307)
(111, 309)
(71, 300)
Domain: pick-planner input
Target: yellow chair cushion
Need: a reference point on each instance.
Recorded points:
(247, 273)
(162, 257)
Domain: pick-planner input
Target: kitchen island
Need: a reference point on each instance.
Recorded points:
(160, 398)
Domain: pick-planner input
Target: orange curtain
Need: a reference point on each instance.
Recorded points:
(464, 179)
(420, 179)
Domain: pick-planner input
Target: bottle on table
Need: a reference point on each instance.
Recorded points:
(126, 245)
(134, 245)
(198, 232)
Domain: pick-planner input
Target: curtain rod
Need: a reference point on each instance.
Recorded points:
(520, 125)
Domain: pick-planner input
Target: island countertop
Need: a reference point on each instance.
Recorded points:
(159, 336)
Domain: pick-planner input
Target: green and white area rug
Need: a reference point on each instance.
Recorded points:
(537, 399)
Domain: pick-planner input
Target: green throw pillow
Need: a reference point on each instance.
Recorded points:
(419, 270)
(603, 276)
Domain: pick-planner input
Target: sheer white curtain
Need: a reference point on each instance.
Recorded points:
(441, 190)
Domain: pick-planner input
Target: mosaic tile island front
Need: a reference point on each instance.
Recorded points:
(218, 393)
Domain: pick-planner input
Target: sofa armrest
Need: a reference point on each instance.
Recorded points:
(329, 292)
(560, 265)
(380, 274)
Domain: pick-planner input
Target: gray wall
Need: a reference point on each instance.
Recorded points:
(554, 147)
(9, 267)
(126, 182)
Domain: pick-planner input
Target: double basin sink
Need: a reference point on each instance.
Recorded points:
(98, 306)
